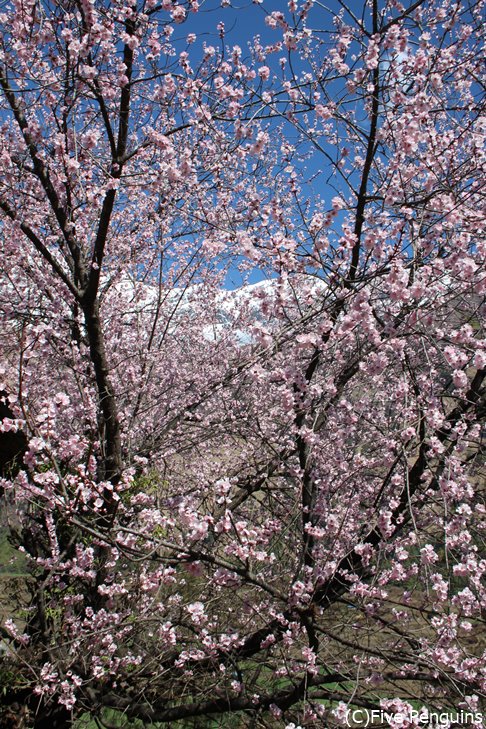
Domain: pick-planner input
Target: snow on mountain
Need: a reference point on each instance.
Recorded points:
(219, 309)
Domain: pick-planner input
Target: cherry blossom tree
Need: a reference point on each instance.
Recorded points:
(259, 508)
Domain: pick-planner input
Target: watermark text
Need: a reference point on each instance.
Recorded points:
(359, 717)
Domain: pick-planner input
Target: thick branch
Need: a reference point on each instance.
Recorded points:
(368, 163)
(116, 172)
(42, 173)
(42, 249)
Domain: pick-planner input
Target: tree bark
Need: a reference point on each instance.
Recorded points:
(110, 464)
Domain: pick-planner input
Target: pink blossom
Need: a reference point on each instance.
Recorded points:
(264, 72)
(178, 13)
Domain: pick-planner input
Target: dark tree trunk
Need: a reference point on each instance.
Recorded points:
(13, 444)
(111, 461)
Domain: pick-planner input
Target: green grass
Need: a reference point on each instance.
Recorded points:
(12, 562)
(117, 720)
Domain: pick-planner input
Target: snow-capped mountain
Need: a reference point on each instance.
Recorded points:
(220, 309)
